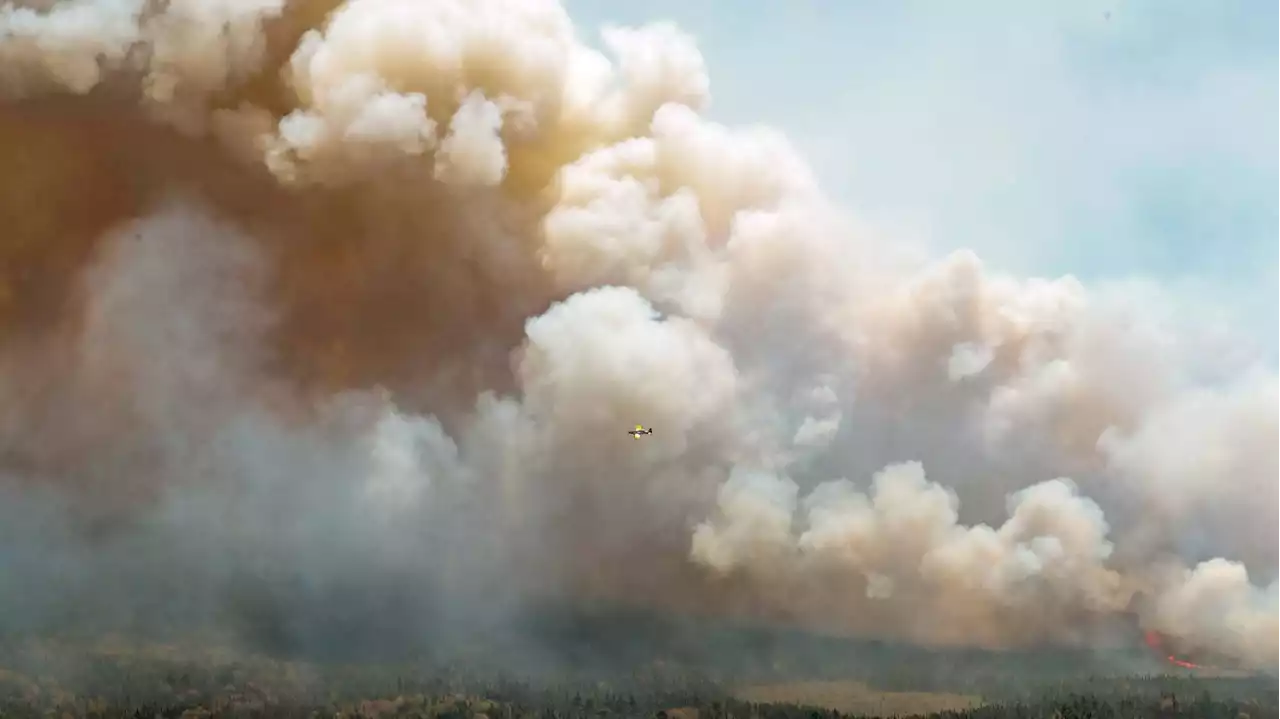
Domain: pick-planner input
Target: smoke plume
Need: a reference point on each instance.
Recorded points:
(321, 309)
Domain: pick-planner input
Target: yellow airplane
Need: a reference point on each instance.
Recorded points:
(640, 430)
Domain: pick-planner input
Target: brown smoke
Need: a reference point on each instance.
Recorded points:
(370, 291)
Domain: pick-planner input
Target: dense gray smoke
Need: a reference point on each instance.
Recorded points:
(311, 307)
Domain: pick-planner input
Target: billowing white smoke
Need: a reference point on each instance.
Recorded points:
(1045, 566)
(394, 329)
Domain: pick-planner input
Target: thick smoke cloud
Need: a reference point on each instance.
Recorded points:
(313, 311)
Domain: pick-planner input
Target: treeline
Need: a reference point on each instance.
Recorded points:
(1089, 706)
(127, 685)
(597, 667)
(620, 707)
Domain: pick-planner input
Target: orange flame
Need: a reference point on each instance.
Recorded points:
(1156, 643)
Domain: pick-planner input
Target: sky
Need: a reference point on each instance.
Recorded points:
(1117, 141)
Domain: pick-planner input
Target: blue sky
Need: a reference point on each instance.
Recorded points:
(1110, 139)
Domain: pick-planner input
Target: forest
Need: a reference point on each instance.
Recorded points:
(611, 666)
